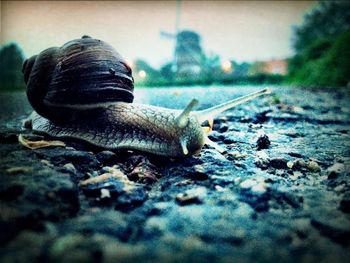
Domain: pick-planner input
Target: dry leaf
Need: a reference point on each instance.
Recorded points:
(38, 144)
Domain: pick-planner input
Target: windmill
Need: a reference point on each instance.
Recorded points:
(187, 51)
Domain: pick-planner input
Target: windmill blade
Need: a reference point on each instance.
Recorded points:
(167, 35)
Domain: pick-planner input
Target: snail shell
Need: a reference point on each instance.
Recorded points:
(82, 74)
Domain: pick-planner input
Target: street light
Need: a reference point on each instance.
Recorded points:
(142, 74)
(226, 66)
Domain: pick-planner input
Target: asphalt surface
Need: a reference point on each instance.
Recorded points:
(280, 193)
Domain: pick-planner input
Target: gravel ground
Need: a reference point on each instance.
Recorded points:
(281, 192)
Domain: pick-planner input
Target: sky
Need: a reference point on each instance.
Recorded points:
(237, 30)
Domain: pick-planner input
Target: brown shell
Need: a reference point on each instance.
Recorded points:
(83, 73)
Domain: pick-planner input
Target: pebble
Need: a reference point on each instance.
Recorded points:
(216, 136)
(262, 155)
(298, 164)
(263, 142)
(19, 169)
(229, 140)
(59, 156)
(199, 173)
(313, 166)
(261, 117)
(255, 186)
(47, 162)
(334, 228)
(8, 138)
(290, 133)
(237, 155)
(345, 203)
(144, 172)
(223, 128)
(262, 159)
(334, 170)
(105, 193)
(296, 175)
(279, 163)
(69, 167)
(107, 157)
(192, 196)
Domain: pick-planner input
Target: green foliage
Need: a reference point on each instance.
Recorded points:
(321, 67)
(322, 44)
(11, 60)
(327, 20)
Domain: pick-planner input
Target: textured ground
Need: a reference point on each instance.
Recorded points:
(280, 193)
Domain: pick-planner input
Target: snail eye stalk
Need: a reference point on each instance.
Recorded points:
(210, 113)
(182, 119)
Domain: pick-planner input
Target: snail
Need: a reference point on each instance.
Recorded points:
(84, 90)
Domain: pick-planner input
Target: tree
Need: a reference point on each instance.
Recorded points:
(327, 20)
(11, 60)
(322, 47)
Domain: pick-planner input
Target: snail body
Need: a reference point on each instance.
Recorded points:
(105, 116)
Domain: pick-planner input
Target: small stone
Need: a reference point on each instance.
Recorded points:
(216, 136)
(105, 193)
(219, 188)
(345, 204)
(290, 164)
(333, 228)
(340, 188)
(262, 159)
(144, 172)
(107, 158)
(69, 167)
(131, 199)
(259, 188)
(192, 196)
(199, 173)
(279, 163)
(299, 164)
(8, 138)
(19, 169)
(249, 183)
(184, 182)
(229, 140)
(262, 155)
(46, 162)
(296, 154)
(291, 133)
(296, 175)
(263, 142)
(223, 128)
(82, 160)
(313, 166)
(237, 155)
(255, 186)
(334, 170)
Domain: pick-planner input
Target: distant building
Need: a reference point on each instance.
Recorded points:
(277, 66)
(188, 53)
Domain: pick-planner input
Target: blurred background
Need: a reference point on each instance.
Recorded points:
(183, 43)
